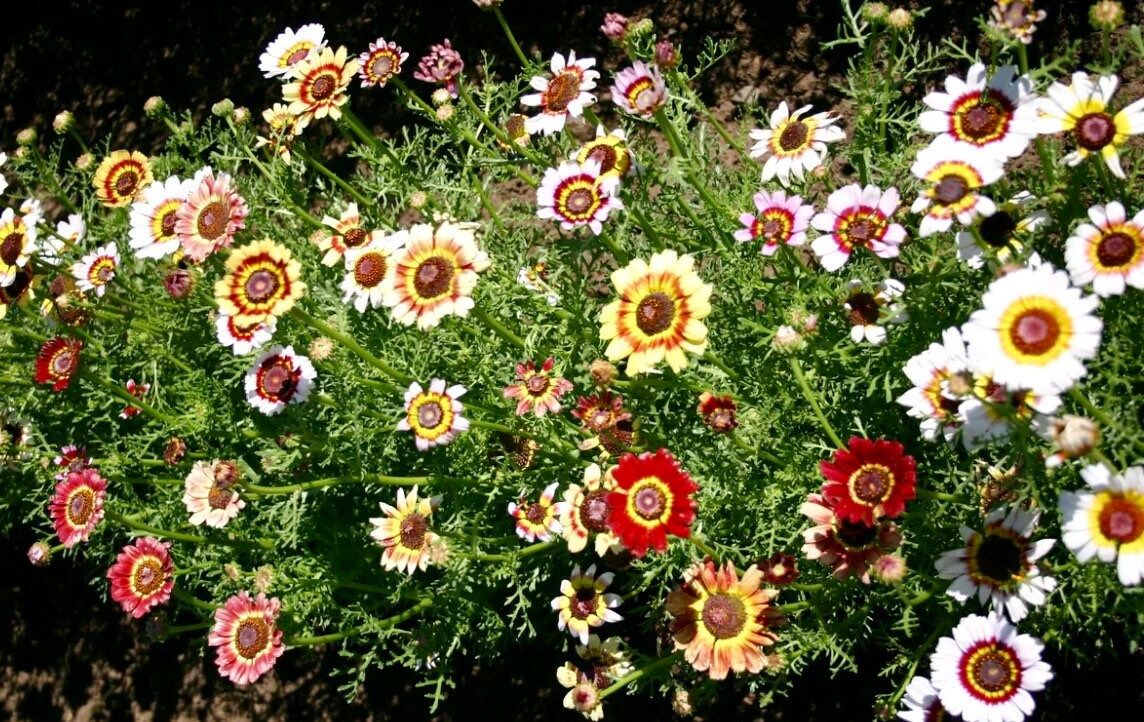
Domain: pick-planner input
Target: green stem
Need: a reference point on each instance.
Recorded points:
(1047, 164)
(526, 552)
(644, 671)
(192, 600)
(348, 341)
(463, 90)
(710, 356)
(511, 38)
(182, 628)
(317, 165)
(393, 621)
(702, 545)
(812, 399)
(369, 138)
(180, 536)
(941, 496)
(79, 139)
(488, 204)
(498, 328)
(128, 398)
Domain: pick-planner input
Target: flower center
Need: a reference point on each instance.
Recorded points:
(950, 189)
(219, 497)
(430, 414)
(1016, 15)
(1115, 249)
(1000, 558)
(21, 282)
(369, 270)
(794, 136)
(80, 506)
(655, 313)
(433, 277)
(594, 510)
(855, 534)
(982, 120)
(646, 99)
(536, 513)
(864, 309)
(562, 90)
(381, 66)
(871, 484)
(213, 220)
(1122, 520)
(584, 603)
(412, 533)
(167, 224)
(724, 616)
(771, 228)
(278, 381)
(1094, 131)
(148, 577)
(1034, 332)
(251, 637)
(261, 286)
(650, 502)
(537, 384)
(297, 56)
(997, 229)
(126, 182)
(11, 247)
(105, 270)
(63, 362)
(722, 420)
(354, 237)
(861, 232)
(322, 88)
(993, 671)
(579, 200)
(605, 155)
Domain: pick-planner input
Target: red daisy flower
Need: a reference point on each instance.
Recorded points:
(138, 391)
(77, 505)
(653, 497)
(849, 548)
(869, 479)
(600, 411)
(718, 412)
(246, 634)
(141, 577)
(58, 361)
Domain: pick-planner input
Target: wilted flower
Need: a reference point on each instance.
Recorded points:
(441, 66)
(615, 26)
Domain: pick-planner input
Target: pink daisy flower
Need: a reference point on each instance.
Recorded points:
(71, 458)
(577, 194)
(247, 637)
(141, 577)
(208, 494)
(213, 212)
(77, 505)
(779, 220)
(857, 217)
(639, 90)
(381, 63)
(441, 66)
(536, 390)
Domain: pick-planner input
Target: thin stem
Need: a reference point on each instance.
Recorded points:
(393, 621)
(812, 399)
(192, 600)
(701, 544)
(498, 328)
(369, 138)
(644, 671)
(941, 496)
(349, 342)
(79, 139)
(1047, 164)
(128, 398)
(710, 356)
(182, 628)
(511, 38)
(317, 165)
(526, 552)
(488, 204)
(180, 536)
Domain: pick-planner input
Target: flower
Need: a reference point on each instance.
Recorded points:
(997, 115)
(935, 374)
(154, 216)
(17, 242)
(577, 194)
(120, 178)
(540, 519)
(208, 497)
(986, 414)
(610, 150)
(1000, 564)
(561, 96)
(615, 26)
(779, 570)
(39, 554)
(434, 416)
(262, 280)
(723, 622)
(1106, 15)
(367, 268)
(71, 458)
(441, 66)
(955, 172)
(586, 512)
(535, 390)
(348, 233)
(69, 234)
(1106, 520)
(381, 63)
(19, 290)
(922, 702)
(779, 220)
(283, 129)
(1018, 18)
(141, 577)
(600, 411)
(434, 274)
(1081, 108)
(1072, 436)
(794, 144)
(658, 315)
(1109, 253)
(277, 378)
(639, 90)
(212, 213)
(847, 547)
(318, 85)
(138, 391)
(857, 217)
(718, 412)
(602, 663)
(1004, 233)
(58, 361)
(867, 311)
(97, 269)
(583, 603)
(869, 479)
(246, 634)
(404, 531)
(653, 497)
(985, 671)
(77, 505)
(290, 48)
(244, 339)
(1033, 331)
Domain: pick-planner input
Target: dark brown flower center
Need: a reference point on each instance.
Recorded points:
(1035, 332)
(213, 220)
(1094, 131)
(999, 557)
(950, 189)
(1115, 249)
(724, 615)
(864, 309)
(655, 313)
(1121, 520)
(871, 484)
(429, 415)
(650, 502)
(585, 603)
(21, 282)
(148, 577)
(354, 237)
(982, 120)
(219, 497)
(433, 278)
(11, 247)
(251, 637)
(322, 87)
(794, 136)
(855, 534)
(997, 229)
(579, 200)
(126, 182)
(722, 420)
(594, 511)
(369, 269)
(993, 671)
(81, 506)
(413, 529)
(167, 224)
(861, 232)
(563, 88)
(536, 513)
(537, 384)
(261, 286)
(605, 155)
(770, 228)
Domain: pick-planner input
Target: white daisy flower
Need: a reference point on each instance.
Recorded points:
(1106, 520)
(153, 217)
(795, 144)
(577, 194)
(1081, 109)
(1004, 234)
(987, 416)
(955, 173)
(867, 311)
(244, 339)
(941, 380)
(33, 212)
(1109, 252)
(17, 243)
(997, 115)
(278, 378)
(367, 269)
(561, 96)
(69, 234)
(95, 270)
(434, 415)
(922, 702)
(290, 48)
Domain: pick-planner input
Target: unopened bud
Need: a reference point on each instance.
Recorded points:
(890, 568)
(63, 122)
(603, 372)
(226, 474)
(441, 96)
(26, 137)
(179, 283)
(666, 55)
(83, 162)
(223, 108)
(788, 340)
(39, 554)
(643, 27)
(232, 572)
(321, 348)
(615, 27)
(445, 112)
(875, 12)
(241, 115)
(900, 19)
(1106, 15)
(174, 451)
(681, 703)
(154, 106)
(418, 199)
(263, 578)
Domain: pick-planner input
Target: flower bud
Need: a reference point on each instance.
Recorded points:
(603, 372)
(1073, 437)
(83, 162)
(263, 578)
(226, 474)
(174, 451)
(179, 283)
(26, 137)
(441, 96)
(223, 108)
(681, 703)
(643, 27)
(232, 571)
(1106, 15)
(445, 112)
(154, 106)
(418, 199)
(615, 27)
(900, 19)
(585, 697)
(890, 568)
(63, 122)
(787, 340)
(666, 55)
(875, 12)
(39, 554)
(321, 348)
(241, 115)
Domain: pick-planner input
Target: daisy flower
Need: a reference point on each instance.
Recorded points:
(577, 194)
(212, 213)
(277, 378)
(283, 129)
(77, 505)
(244, 339)
(367, 268)
(717, 412)
(997, 115)
(610, 150)
(586, 512)
(561, 96)
(536, 390)
(795, 145)
(262, 280)
(868, 480)
(404, 531)
(722, 621)
(999, 564)
(600, 411)
(602, 664)
(209, 495)
(348, 233)
(1018, 18)
(857, 217)
(97, 269)
(434, 274)
(154, 216)
(985, 671)
(658, 315)
(779, 220)
(247, 637)
(58, 361)
(381, 63)
(849, 548)
(538, 520)
(1072, 437)
(17, 242)
(71, 458)
(941, 380)
(441, 66)
(1106, 520)
(584, 602)
(1004, 234)
(1081, 108)
(1109, 252)
(779, 569)
(653, 497)
(138, 391)
(1034, 331)
(986, 414)
(120, 178)
(639, 90)
(922, 702)
(433, 415)
(290, 48)
(867, 311)
(142, 576)
(318, 84)
(955, 173)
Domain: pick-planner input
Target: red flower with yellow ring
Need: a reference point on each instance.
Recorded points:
(142, 576)
(869, 479)
(653, 497)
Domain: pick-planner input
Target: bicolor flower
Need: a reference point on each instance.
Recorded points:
(857, 217)
(794, 145)
(1109, 252)
(562, 95)
(1082, 110)
(995, 114)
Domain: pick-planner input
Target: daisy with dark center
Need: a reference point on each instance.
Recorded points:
(1034, 331)
(577, 194)
(434, 274)
(955, 173)
(600, 664)
(718, 412)
(441, 66)
(722, 622)
(247, 637)
(77, 505)
(985, 671)
(996, 114)
(779, 570)
(349, 232)
(367, 268)
(212, 214)
(658, 315)
(561, 96)
(121, 177)
(868, 480)
(381, 63)
(610, 150)
(154, 216)
(536, 390)
(999, 564)
(290, 48)
(849, 548)
(601, 411)
(639, 90)
(1106, 520)
(653, 497)
(779, 220)
(318, 84)
(433, 415)
(58, 361)
(1082, 110)
(142, 576)
(17, 242)
(97, 269)
(867, 312)
(138, 391)
(794, 145)
(922, 703)
(19, 291)
(209, 495)
(584, 603)
(1004, 235)
(586, 512)
(262, 280)
(243, 340)
(941, 381)
(857, 217)
(988, 413)
(404, 532)
(1018, 18)
(538, 520)
(278, 378)
(1109, 252)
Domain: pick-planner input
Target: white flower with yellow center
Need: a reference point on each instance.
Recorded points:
(95, 270)
(1109, 252)
(1081, 109)
(955, 173)
(290, 48)
(367, 269)
(404, 532)
(433, 414)
(936, 374)
(995, 114)
(794, 144)
(561, 96)
(1106, 520)
(583, 603)
(154, 215)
